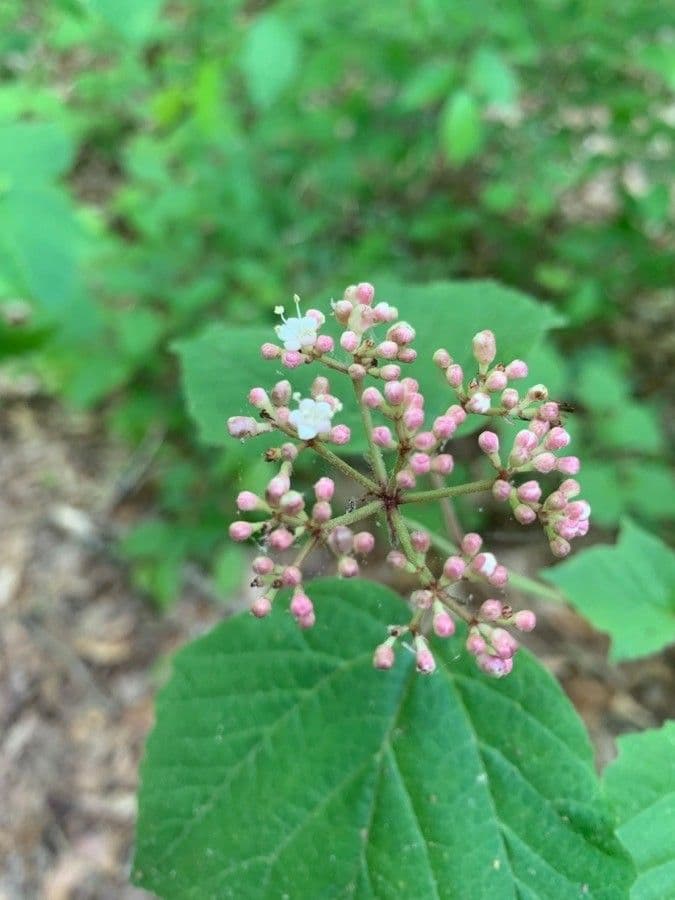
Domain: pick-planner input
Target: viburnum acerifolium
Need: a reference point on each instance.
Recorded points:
(403, 448)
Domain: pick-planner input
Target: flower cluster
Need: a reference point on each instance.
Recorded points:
(402, 449)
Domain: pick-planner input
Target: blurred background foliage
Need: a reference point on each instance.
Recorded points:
(165, 164)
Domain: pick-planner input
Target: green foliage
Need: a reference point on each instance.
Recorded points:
(627, 590)
(221, 365)
(640, 784)
(282, 763)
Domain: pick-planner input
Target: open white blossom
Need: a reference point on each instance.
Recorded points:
(312, 417)
(298, 332)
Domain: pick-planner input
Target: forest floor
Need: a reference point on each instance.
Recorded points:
(83, 654)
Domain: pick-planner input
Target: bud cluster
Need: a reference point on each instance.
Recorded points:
(403, 450)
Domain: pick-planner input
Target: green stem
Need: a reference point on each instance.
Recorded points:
(471, 487)
(342, 466)
(376, 459)
(356, 515)
(527, 585)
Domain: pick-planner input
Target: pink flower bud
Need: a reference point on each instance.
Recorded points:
(364, 542)
(407, 355)
(349, 341)
(402, 333)
(557, 439)
(420, 540)
(471, 543)
(291, 576)
(390, 373)
(478, 403)
(292, 503)
(559, 547)
(405, 479)
(420, 463)
(301, 605)
(566, 529)
(484, 564)
(582, 527)
(341, 539)
(495, 666)
(529, 492)
(570, 488)
(454, 568)
(372, 398)
(443, 464)
(411, 385)
(578, 509)
(484, 348)
(555, 501)
(382, 437)
(444, 427)
(504, 644)
(383, 657)
(324, 489)
(491, 610)
(241, 531)
(454, 375)
(548, 412)
(524, 514)
(443, 624)
(292, 359)
(456, 413)
(517, 369)
(324, 344)
(322, 511)
(280, 539)
(282, 393)
(269, 351)
(425, 441)
(442, 358)
(501, 490)
(475, 643)
(422, 599)
(426, 664)
(569, 465)
(413, 419)
(496, 381)
(365, 293)
(397, 559)
(247, 501)
(348, 567)
(340, 435)
(539, 428)
(261, 607)
(510, 398)
(525, 620)
(263, 565)
(357, 372)
(394, 393)
(526, 440)
(343, 310)
(544, 462)
(317, 315)
(306, 622)
(257, 397)
(488, 442)
(387, 350)
(499, 577)
(242, 426)
(277, 487)
(289, 452)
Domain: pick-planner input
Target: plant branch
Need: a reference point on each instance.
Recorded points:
(356, 515)
(376, 459)
(471, 487)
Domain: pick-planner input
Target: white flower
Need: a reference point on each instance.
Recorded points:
(296, 333)
(312, 417)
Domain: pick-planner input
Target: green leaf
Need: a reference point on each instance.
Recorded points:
(270, 58)
(461, 128)
(32, 153)
(634, 426)
(602, 487)
(222, 364)
(491, 77)
(627, 590)
(648, 488)
(134, 20)
(640, 785)
(282, 764)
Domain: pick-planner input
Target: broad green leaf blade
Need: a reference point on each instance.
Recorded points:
(270, 58)
(461, 128)
(222, 364)
(134, 20)
(33, 153)
(641, 786)
(282, 764)
(627, 590)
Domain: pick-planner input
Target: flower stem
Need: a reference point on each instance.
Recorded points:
(341, 465)
(356, 515)
(471, 487)
(375, 455)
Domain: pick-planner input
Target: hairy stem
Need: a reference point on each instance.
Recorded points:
(356, 515)
(376, 459)
(471, 487)
(450, 519)
(342, 466)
